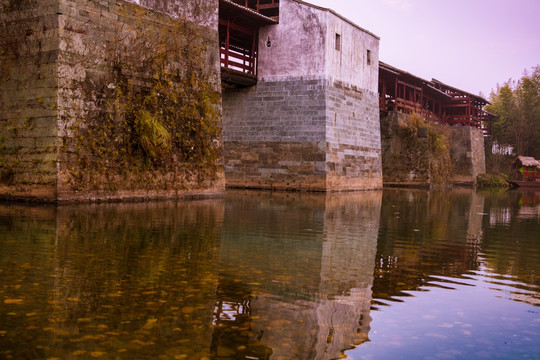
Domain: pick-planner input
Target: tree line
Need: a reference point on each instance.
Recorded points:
(517, 105)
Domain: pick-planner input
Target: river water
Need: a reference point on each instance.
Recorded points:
(393, 274)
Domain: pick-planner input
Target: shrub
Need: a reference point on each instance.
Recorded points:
(492, 181)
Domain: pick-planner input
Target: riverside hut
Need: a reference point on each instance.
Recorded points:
(527, 169)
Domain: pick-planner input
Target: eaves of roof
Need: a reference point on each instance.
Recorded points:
(435, 81)
(431, 84)
(338, 15)
(528, 161)
(265, 20)
(442, 93)
(400, 72)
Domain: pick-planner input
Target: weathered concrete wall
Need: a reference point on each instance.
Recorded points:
(312, 121)
(350, 64)
(81, 53)
(298, 44)
(411, 156)
(304, 45)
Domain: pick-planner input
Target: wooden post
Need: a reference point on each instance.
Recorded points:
(384, 95)
(396, 95)
(254, 50)
(469, 110)
(244, 57)
(227, 43)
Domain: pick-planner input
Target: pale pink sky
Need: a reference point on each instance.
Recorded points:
(469, 44)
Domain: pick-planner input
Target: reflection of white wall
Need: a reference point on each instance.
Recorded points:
(349, 251)
(500, 216)
(350, 240)
(529, 212)
(343, 322)
(337, 315)
(476, 216)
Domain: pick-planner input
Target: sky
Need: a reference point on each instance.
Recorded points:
(469, 44)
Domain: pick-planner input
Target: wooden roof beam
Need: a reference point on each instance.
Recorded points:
(240, 28)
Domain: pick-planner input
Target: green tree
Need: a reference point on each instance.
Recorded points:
(518, 106)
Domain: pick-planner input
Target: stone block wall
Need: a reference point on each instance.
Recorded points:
(468, 154)
(201, 12)
(412, 160)
(97, 41)
(78, 54)
(404, 161)
(353, 138)
(302, 134)
(28, 96)
(274, 135)
(312, 121)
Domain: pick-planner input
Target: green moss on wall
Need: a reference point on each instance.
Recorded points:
(414, 151)
(149, 113)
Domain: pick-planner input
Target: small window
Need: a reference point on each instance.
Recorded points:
(368, 57)
(338, 42)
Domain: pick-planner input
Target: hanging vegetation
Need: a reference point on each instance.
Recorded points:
(415, 129)
(158, 126)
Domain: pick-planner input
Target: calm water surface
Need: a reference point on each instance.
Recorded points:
(396, 274)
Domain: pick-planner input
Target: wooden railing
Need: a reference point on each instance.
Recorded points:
(239, 60)
(409, 107)
(464, 120)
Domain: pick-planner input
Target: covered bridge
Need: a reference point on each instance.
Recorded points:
(404, 92)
